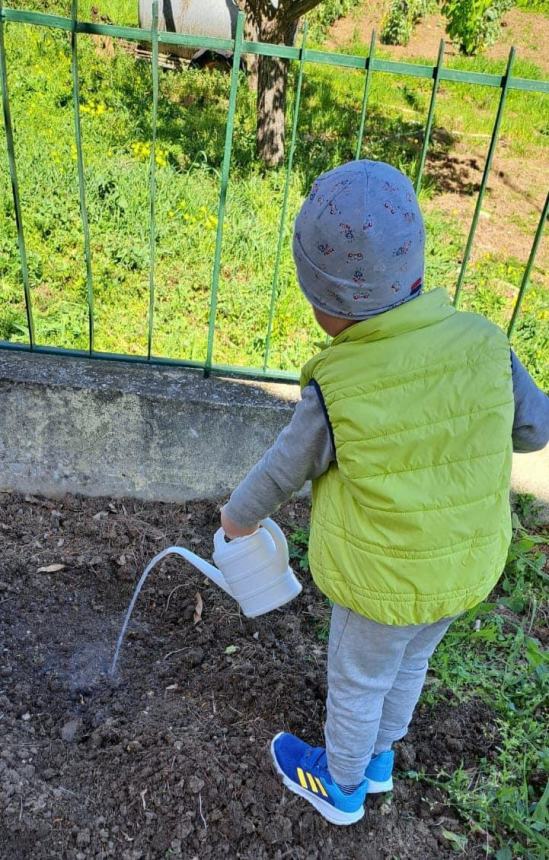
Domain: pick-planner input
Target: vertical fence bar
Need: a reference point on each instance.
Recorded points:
(14, 181)
(223, 189)
(291, 152)
(81, 179)
(430, 115)
(365, 95)
(487, 167)
(528, 269)
(152, 174)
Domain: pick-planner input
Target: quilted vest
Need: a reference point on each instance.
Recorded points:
(412, 523)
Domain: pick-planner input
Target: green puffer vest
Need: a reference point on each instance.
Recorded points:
(413, 523)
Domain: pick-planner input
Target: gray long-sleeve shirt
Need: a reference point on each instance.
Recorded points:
(304, 449)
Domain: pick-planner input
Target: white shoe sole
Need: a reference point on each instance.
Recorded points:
(378, 787)
(329, 812)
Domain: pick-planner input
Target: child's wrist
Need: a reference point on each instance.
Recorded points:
(233, 529)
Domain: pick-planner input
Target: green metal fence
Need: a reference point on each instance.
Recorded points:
(300, 55)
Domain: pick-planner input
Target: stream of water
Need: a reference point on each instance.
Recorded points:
(208, 569)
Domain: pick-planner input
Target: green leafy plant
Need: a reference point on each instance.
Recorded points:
(323, 16)
(528, 509)
(401, 19)
(299, 549)
(474, 24)
(399, 23)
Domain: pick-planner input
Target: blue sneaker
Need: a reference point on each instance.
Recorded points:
(379, 773)
(304, 770)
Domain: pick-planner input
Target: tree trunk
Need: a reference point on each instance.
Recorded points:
(251, 34)
(271, 96)
(271, 110)
(271, 21)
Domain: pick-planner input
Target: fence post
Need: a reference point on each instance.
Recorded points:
(365, 94)
(430, 115)
(152, 174)
(81, 178)
(528, 269)
(223, 188)
(487, 167)
(297, 105)
(14, 181)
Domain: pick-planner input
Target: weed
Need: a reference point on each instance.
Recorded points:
(299, 546)
(527, 509)
(494, 652)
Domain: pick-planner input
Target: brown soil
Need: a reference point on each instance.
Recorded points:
(171, 760)
(424, 40)
(527, 31)
(512, 204)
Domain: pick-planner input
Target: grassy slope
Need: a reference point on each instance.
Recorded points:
(115, 95)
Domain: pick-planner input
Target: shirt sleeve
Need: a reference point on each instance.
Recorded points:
(531, 422)
(303, 451)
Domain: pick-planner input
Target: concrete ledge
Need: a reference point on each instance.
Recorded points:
(531, 475)
(115, 429)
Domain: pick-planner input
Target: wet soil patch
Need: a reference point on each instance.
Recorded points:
(171, 759)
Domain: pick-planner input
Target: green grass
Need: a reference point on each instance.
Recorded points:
(116, 118)
(534, 6)
(123, 12)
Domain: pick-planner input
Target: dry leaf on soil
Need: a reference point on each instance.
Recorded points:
(198, 607)
(51, 568)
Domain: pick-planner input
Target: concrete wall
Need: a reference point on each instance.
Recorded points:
(117, 429)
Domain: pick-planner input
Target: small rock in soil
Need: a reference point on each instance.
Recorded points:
(196, 784)
(70, 730)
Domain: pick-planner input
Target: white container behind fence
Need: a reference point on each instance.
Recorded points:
(215, 18)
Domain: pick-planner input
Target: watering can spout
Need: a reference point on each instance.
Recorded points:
(201, 564)
(255, 572)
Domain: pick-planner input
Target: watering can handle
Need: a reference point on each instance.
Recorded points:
(275, 532)
(279, 539)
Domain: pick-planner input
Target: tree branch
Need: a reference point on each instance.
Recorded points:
(300, 7)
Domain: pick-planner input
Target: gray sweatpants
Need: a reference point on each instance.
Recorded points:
(375, 676)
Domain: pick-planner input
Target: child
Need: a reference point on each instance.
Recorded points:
(406, 426)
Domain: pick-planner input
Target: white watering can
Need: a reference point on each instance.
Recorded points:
(255, 570)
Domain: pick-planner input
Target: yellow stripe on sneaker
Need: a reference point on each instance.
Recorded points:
(321, 787)
(301, 777)
(312, 783)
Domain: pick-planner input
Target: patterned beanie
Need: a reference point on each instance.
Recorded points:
(359, 241)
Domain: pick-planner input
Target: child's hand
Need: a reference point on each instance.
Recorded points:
(232, 530)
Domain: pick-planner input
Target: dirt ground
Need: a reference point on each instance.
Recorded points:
(171, 759)
(527, 31)
(512, 205)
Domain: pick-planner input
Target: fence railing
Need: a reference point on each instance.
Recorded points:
(237, 46)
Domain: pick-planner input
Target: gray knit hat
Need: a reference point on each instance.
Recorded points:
(359, 241)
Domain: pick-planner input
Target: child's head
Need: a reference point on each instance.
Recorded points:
(359, 243)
